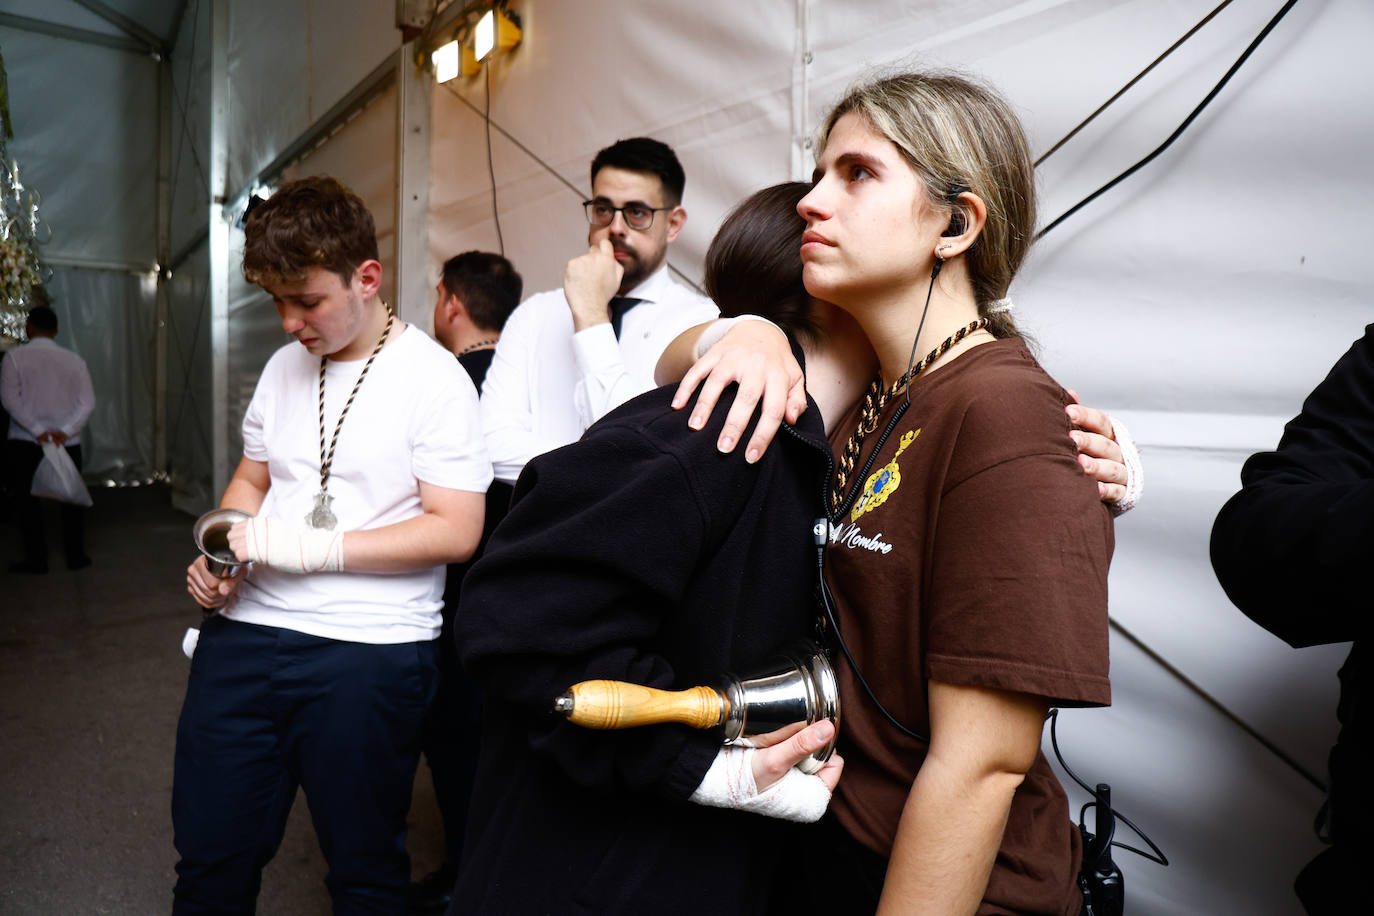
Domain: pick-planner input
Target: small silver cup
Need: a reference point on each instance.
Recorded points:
(211, 534)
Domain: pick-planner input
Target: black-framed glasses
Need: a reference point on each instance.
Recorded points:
(637, 216)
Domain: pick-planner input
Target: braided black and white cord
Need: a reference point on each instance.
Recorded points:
(327, 460)
(876, 400)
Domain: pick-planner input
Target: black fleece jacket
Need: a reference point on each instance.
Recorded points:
(1292, 550)
(638, 553)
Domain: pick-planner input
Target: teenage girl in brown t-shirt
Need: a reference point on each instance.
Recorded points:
(985, 426)
(970, 559)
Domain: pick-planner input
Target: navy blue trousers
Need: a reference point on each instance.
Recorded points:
(268, 710)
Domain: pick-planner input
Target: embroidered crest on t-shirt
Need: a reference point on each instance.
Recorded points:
(883, 482)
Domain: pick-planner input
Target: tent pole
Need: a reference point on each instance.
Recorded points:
(164, 253)
(413, 281)
(801, 153)
(219, 246)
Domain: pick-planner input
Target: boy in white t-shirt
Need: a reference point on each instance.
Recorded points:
(365, 472)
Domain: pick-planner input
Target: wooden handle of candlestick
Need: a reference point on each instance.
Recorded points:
(618, 704)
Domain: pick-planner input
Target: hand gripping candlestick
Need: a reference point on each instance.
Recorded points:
(799, 687)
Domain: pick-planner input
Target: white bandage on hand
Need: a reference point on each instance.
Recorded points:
(274, 543)
(719, 328)
(729, 783)
(1135, 470)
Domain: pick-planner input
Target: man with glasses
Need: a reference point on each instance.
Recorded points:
(569, 356)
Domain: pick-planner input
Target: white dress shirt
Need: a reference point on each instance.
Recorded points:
(45, 387)
(546, 384)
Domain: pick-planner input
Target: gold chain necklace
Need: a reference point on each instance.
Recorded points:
(875, 400)
(480, 345)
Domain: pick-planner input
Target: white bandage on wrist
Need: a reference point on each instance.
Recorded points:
(274, 543)
(719, 328)
(729, 783)
(1135, 470)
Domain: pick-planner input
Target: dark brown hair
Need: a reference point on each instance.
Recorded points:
(754, 263)
(310, 222)
(645, 154)
(43, 319)
(486, 284)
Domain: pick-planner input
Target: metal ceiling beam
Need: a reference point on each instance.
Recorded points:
(176, 25)
(332, 120)
(43, 27)
(133, 29)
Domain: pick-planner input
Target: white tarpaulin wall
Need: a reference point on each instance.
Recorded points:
(1199, 300)
(85, 120)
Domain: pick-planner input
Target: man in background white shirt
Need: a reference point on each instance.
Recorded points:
(47, 391)
(558, 367)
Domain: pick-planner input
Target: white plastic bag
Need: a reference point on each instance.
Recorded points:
(58, 478)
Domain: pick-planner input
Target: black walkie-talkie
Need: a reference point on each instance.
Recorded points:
(1104, 890)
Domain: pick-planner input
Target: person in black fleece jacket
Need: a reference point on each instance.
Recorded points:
(639, 553)
(1289, 549)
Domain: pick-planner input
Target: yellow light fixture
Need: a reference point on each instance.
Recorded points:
(495, 31)
(470, 66)
(446, 61)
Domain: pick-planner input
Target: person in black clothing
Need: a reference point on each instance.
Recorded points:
(640, 553)
(476, 294)
(477, 291)
(1290, 550)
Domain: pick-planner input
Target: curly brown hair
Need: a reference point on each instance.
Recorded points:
(310, 222)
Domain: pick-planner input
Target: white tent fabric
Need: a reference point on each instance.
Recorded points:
(190, 438)
(288, 63)
(86, 139)
(107, 316)
(1168, 301)
(1199, 300)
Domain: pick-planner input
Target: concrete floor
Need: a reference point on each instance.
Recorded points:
(91, 682)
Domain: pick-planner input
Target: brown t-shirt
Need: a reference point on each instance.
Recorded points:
(976, 555)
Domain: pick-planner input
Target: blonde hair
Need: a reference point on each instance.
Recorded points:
(960, 136)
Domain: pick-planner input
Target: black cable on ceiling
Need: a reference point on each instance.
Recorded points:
(1264, 33)
(491, 168)
(1135, 79)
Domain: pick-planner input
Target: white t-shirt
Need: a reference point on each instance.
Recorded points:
(414, 418)
(546, 384)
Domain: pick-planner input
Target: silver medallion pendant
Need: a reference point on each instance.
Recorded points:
(320, 517)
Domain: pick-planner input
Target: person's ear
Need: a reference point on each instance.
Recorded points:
(677, 218)
(368, 276)
(968, 214)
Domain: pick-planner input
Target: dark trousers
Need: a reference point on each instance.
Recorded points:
(450, 740)
(268, 710)
(22, 459)
(854, 874)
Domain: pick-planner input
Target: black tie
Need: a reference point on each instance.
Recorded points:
(619, 306)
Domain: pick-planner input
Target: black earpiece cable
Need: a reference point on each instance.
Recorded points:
(828, 601)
